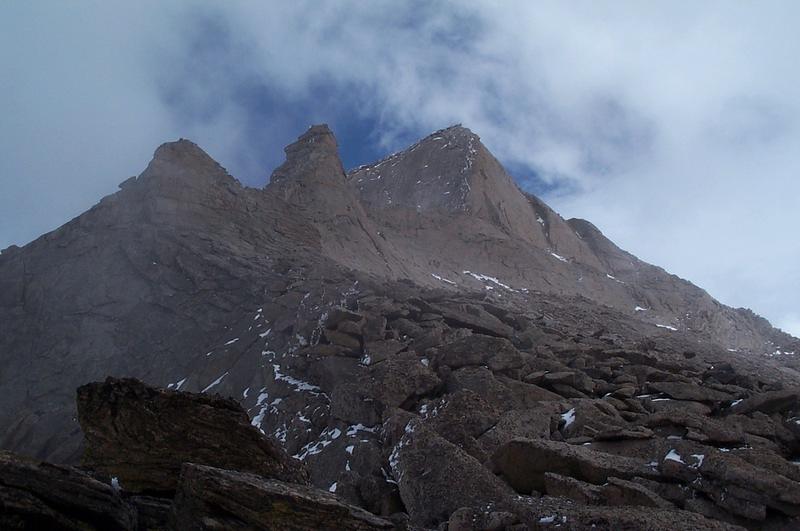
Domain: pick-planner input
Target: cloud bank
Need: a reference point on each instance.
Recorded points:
(672, 127)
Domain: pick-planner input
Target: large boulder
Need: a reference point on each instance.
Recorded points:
(436, 477)
(732, 483)
(36, 495)
(143, 435)
(496, 353)
(769, 402)
(689, 391)
(211, 498)
(524, 463)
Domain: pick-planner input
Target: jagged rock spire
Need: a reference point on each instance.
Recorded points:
(313, 156)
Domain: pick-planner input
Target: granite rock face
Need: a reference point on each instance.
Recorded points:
(331, 310)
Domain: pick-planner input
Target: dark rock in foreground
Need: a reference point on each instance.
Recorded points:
(211, 498)
(143, 435)
(36, 495)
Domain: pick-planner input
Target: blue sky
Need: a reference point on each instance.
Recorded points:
(671, 126)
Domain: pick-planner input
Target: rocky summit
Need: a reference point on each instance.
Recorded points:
(413, 344)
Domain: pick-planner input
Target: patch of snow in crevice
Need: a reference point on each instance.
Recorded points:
(568, 418)
(437, 277)
(394, 457)
(668, 327)
(215, 382)
(177, 385)
(487, 278)
(332, 488)
(299, 385)
(232, 341)
(672, 455)
(639, 309)
(353, 429)
(699, 458)
(558, 257)
(265, 334)
(327, 437)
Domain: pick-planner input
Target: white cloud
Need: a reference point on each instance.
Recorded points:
(673, 127)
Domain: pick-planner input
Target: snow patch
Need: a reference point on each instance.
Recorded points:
(667, 327)
(558, 257)
(215, 382)
(672, 455)
(353, 429)
(639, 309)
(487, 278)
(437, 277)
(327, 437)
(568, 418)
(299, 385)
(232, 341)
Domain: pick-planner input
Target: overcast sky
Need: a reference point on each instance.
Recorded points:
(672, 126)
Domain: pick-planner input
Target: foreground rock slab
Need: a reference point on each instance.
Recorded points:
(210, 498)
(142, 436)
(36, 495)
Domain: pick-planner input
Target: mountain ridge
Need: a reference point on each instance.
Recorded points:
(155, 270)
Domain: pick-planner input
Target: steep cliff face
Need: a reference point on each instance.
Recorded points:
(315, 301)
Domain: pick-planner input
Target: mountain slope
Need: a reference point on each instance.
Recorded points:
(327, 303)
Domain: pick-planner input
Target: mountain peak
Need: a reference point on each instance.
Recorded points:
(432, 174)
(314, 155)
(181, 164)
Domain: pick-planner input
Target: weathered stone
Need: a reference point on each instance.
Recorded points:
(343, 340)
(212, 498)
(688, 391)
(617, 434)
(143, 435)
(769, 402)
(523, 463)
(35, 495)
(571, 488)
(425, 466)
(498, 354)
(476, 519)
(622, 492)
(475, 318)
(733, 483)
